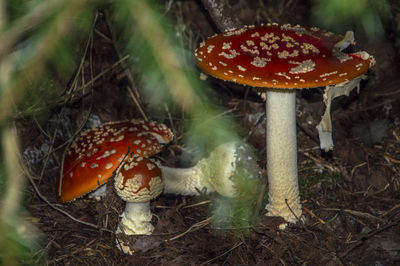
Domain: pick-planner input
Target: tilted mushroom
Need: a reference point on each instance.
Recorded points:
(276, 60)
(216, 172)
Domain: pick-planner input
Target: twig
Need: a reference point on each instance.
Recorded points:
(322, 163)
(193, 228)
(314, 215)
(40, 128)
(90, 82)
(396, 136)
(364, 238)
(357, 213)
(391, 209)
(50, 151)
(134, 99)
(204, 202)
(290, 209)
(223, 254)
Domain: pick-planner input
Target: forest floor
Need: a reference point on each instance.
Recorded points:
(350, 196)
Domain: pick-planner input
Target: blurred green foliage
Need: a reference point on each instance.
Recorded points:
(19, 243)
(365, 17)
(38, 54)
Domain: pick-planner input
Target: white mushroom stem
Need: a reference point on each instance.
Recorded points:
(136, 219)
(283, 196)
(213, 173)
(185, 181)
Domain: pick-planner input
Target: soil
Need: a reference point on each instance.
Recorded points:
(350, 196)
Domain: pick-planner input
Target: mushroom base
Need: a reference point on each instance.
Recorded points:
(283, 196)
(136, 219)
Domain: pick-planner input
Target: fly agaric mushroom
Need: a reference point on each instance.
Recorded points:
(93, 158)
(277, 59)
(216, 172)
(122, 148)
(137, 182)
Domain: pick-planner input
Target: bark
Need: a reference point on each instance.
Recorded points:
(222, 14)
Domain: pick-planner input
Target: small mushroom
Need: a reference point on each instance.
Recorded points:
(137, 182)
(97, 153)
(277, 60)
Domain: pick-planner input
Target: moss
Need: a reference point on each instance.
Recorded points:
(311, 178)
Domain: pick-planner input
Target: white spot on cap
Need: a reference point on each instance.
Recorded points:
(250, 43)
(283, 75)
(232, 54)
(328, 74)
(109, 165)
(104, 155)
(259, 61)
(304, 67)
(94, 165)
(255, 34)
(253, 51)
(241, 68)
(285, 54)
(150, 166)
(226, 45)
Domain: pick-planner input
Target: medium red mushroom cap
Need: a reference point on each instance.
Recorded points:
(280, 56)
(138, 180)
(96, 154)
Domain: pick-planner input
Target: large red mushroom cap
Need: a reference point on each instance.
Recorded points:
(281, 56)
(96, 154)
